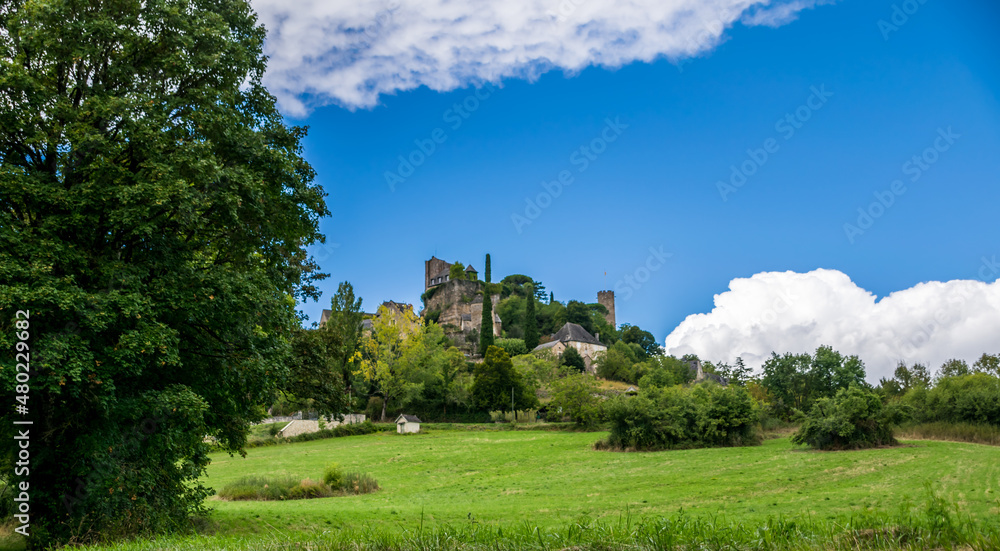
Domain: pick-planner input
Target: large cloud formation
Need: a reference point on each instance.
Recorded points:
(350, 52)
(792, 312)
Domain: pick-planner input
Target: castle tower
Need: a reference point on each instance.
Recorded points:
(607, 299)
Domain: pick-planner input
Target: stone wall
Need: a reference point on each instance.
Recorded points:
(456, 301)
(303, 426)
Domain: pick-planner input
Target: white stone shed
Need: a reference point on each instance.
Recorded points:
(407, 423)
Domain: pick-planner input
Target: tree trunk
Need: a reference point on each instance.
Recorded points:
(384, 402)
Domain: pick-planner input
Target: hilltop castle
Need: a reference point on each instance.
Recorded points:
(457, 306)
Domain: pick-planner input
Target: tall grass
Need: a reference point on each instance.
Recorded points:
(956, 432)
(933, 524)
(262, 488)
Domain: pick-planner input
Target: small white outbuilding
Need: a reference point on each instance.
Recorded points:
(407, 423)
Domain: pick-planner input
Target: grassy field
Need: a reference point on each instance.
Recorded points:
(553, 478)
(476, 480)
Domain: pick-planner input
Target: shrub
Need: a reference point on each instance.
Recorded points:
(333, 476)
(854, 418)
(358, 483)
(335, 482)
(258, 488)
(676, 417)
(513, 347)
(307, 489)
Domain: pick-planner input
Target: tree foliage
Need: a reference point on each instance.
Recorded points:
(796, 381)
(513, 347)
(530, 322)
(322, 359)
(154, 213)
(676, 417)
(497, 383)
(388, 352)
(486, 328)
(575, 396)
(456, 271)
(571, 358)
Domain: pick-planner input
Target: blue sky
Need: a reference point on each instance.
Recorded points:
(678, 127)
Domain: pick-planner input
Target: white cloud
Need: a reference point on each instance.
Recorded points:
(350, 52)
(792, 312)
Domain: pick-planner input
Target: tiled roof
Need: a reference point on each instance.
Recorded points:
(572, 332)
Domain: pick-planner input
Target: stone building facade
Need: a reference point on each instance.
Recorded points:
(457, 306)
(438, 272)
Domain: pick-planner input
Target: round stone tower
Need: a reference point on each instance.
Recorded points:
(607, 299)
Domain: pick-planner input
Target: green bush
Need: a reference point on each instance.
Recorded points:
(665, 418)
(333, 476)
(513, 347)
(854, 418)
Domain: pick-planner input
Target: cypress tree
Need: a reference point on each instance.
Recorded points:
(486, 329)
(488, 280)
(530, 321)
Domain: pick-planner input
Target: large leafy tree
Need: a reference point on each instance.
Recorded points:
(154, 210)
(322, 359)
(497, 383)
(645, 339)
(388, 354)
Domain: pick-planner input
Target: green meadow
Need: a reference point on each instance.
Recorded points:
(476, 483)
(553, 478)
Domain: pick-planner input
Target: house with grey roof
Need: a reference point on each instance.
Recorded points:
(574, 335)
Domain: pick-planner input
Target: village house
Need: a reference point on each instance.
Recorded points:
(574, 335)
(407, 424)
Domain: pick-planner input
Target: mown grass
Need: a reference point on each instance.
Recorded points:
(552, 479)
(550, 490)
